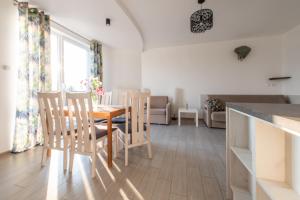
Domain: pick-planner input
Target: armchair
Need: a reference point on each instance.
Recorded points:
(160, 110)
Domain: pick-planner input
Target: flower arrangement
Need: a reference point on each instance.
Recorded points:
(94, 86)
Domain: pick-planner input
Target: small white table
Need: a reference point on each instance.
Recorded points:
(187, 110)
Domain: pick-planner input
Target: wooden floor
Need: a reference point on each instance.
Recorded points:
(188, 163)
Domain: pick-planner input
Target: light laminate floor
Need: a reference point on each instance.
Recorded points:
(188, 163)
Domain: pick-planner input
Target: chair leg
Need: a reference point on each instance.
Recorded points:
(149, 149)
(149, 144)
(126, 155)
(65, 157)
(44, 156)
(117, 144)
(93, 164)
(114, 149)
(71, 161)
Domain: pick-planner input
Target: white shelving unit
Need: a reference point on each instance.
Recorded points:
(263, 159)
(240, 193)
(245, 156)
(277, 190)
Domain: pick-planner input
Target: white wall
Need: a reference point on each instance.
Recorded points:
(212, 68)
(291, 63)
(8, 42)
(121, 68)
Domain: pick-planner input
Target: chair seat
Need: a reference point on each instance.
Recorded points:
(101, 131)
(158, 111)
(116, 120)
(122, 127)
(99, 121)
(119, 120)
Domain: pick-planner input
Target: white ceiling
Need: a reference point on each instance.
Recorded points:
(87, 18)
(166, 22)
(158, 23)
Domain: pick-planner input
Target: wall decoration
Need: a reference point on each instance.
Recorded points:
(201, 20)
(242, 52)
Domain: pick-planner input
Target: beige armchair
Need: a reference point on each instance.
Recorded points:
(160, 110)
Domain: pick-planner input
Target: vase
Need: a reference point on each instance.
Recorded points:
(95, 100)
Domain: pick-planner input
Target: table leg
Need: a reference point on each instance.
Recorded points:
(109, 142)
(48, 153)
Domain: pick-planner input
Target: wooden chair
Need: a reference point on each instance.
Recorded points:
(136, 131)
(106, 98)
(53, 124)
(87, 136)
(122, 95)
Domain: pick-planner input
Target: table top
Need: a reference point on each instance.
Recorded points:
(188, 110)
(106, 111)
(107, 108)
(109, 111)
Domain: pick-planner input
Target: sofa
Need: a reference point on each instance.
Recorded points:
(218, 119)
(160, 110)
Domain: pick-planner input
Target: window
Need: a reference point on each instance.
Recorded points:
(69, 62)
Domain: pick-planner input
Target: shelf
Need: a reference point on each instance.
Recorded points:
(278, 190)
(245, 156)
(240, 194)
(279, 78)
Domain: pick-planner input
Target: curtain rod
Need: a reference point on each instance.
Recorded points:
(16, 2)
(70, 30)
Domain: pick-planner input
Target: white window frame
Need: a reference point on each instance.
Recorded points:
(62, 36)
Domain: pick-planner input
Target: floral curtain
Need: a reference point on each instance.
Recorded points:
(96, 60)
(33, 74)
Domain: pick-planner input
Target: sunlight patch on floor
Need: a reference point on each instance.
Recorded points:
(106, 167)
(53, 177)
(137, 193)
(86, 184)
(101, 181)
(114, 163)
(123, 194)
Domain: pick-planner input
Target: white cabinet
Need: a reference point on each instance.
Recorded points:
(262, 157)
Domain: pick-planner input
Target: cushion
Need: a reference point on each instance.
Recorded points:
(157, 111)
(215, 105)
(158, 101)
(119, 120)
(116, 120)
(99, 121)
(101, 131)
(122, 127)
(218, 116)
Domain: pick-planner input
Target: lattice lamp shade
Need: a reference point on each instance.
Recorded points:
(201, 21)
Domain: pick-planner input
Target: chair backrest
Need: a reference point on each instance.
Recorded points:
(139, 104)
(123, 94)
(146, 90)
(80, 113)
(106, 98)
(159, 101)
(52, 118)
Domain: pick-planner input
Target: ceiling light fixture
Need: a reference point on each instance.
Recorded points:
(107, 21)
(201, 20)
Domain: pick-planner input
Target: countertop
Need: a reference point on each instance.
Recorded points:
(285, 116)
